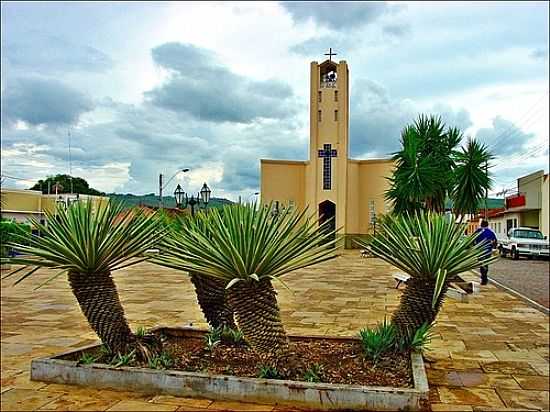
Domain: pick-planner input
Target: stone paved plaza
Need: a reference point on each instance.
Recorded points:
(489, 354)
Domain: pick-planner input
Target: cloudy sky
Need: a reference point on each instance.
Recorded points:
(147, 88)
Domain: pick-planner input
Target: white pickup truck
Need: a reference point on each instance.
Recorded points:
(524, 241)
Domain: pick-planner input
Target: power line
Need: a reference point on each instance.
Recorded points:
(513, 128)
(15, 178)
(504, 138)
(77, 167)
(534, 178)
(530, 152)
(70, 160)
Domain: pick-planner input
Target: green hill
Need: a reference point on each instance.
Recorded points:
(152, 200)
(492, 203)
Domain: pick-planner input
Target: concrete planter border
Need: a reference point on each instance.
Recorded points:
(319, 396)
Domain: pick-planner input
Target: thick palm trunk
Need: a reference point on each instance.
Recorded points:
(212, 300)
(98, 299)
(257, 315)
(415, 307)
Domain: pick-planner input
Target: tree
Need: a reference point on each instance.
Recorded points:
(432, 250)
(247, 249)
(88, 243)
(430, 168)
(78, 185)
(210, 291)
(471, 177)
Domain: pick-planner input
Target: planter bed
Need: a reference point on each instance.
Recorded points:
(348, 381)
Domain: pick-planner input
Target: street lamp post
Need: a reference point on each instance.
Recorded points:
(253, 194)
(162, 185)
(182, 200)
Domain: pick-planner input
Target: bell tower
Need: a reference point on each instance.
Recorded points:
(329, 138)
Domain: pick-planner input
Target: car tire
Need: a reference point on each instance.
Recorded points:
(515, 253)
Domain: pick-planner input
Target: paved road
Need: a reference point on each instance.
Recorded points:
(528, 277)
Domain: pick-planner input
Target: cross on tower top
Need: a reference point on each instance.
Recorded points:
(330, 54)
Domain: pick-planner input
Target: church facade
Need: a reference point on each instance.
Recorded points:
(329, 182)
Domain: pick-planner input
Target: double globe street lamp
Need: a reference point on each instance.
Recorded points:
(182, 200)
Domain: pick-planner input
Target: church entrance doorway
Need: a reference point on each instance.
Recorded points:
(327, 211)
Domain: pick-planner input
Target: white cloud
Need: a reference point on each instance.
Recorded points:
(471, 64)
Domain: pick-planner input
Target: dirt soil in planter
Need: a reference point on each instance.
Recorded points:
(341, 361)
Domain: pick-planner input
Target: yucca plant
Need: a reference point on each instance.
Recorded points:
(88, 243)
(432, 249)
(210, 291)
(247, 249)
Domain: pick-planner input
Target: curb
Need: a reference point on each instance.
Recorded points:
(530, 302)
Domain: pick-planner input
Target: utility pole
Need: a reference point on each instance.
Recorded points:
(70, 161)
(160, 191)
(486, 189)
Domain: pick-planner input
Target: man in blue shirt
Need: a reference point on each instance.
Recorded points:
(484, 234)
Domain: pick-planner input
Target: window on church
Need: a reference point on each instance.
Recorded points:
(319, 115)
(335, 95)
(336, 115)
(320, 96)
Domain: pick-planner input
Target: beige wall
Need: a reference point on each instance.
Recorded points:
(531, 218)
(353, 207)
(531, 186)
(372, 186)
(283, 181)
(21, 205)
(21, 200)
(545, 210)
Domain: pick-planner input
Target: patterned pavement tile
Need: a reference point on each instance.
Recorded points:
(525, 399)
(134, 405)
(533, 382)
(239, 406)
(182, 402)
(449, 407)
(509, 368)
(25, 399)
(470, 396)
(487, 380)
(72, 402)
(490, 353)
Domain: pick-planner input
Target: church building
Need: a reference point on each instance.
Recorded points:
(329, 182)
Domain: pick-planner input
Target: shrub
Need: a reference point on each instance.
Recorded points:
(125, 359)
(379, 340)
(13, 232)
(87, 359)
(213, 338)
(313, 374)
(141, 332)
(269, 372)
(417, 340)
(162, 361)
(233, 335)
